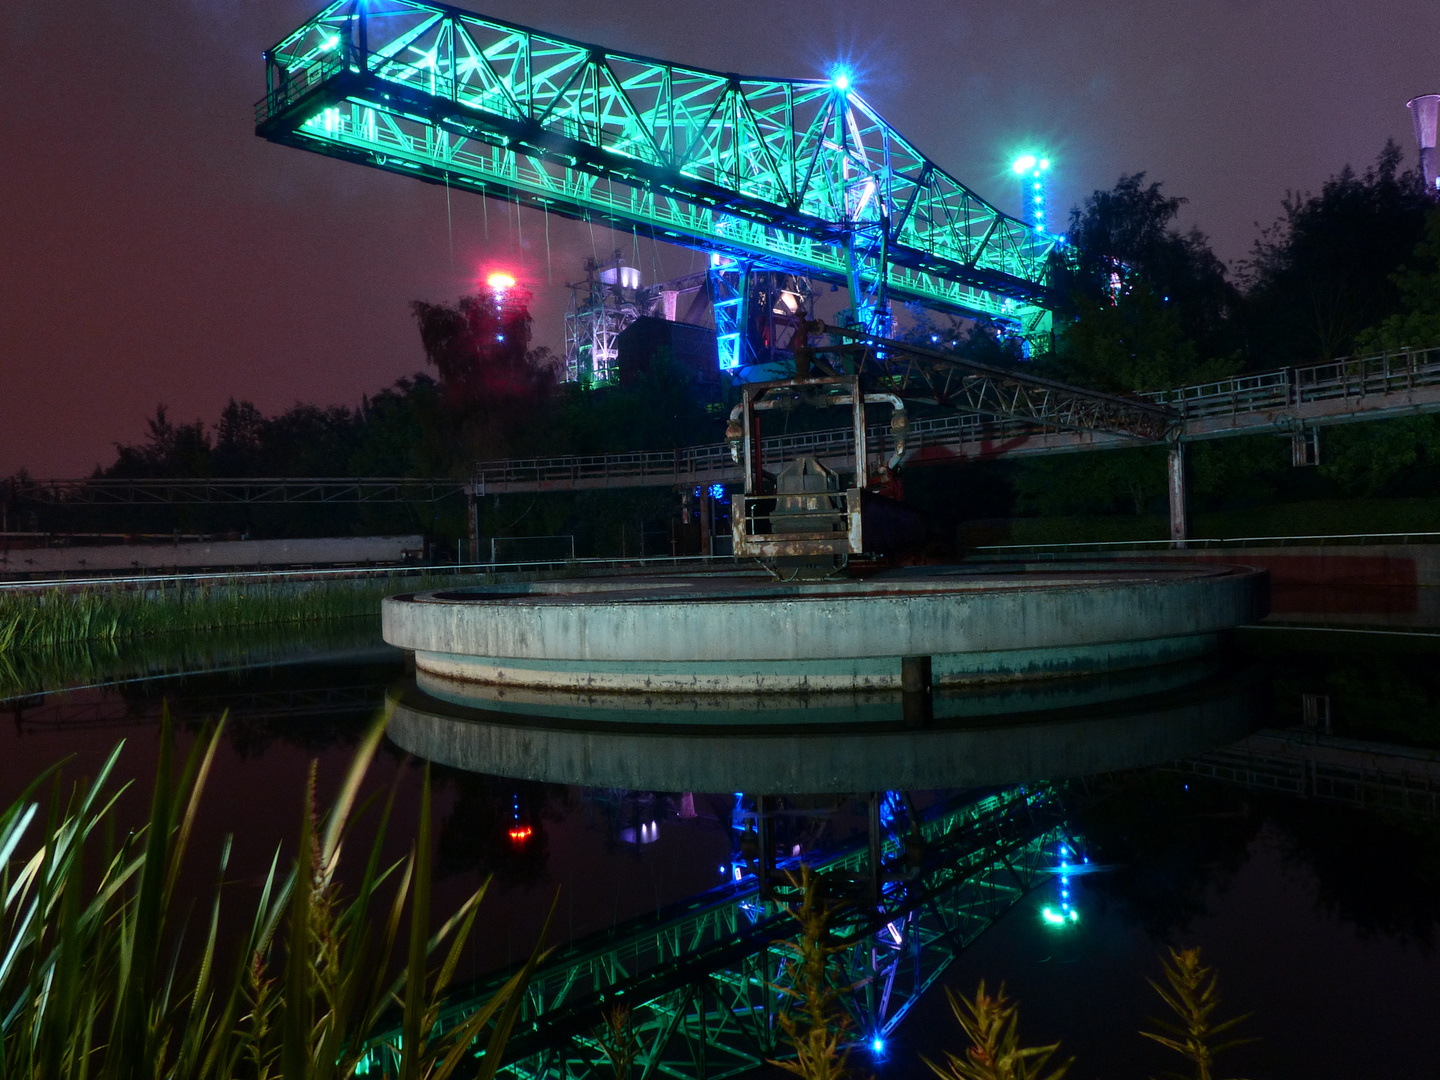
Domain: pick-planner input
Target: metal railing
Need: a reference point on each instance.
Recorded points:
(248, 577)
(1285, 392)
(1315, 540)
(298, 82)
(1350, 377)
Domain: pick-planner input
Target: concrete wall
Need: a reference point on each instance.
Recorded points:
(1370, 584)
(219, 554)
(700, 635)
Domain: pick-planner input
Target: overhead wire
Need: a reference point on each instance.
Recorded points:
(549, 269)
(449, 221)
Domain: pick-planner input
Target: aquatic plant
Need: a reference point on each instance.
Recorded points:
(92, 984)
(60, 617)
(617, 1038)
(129, 659)
(1193, 996)
(991, 1023)
(819, 1029)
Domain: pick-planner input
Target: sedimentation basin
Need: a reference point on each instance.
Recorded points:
(747, 634)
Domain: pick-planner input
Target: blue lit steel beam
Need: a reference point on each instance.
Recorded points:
(707, 982)
(796, 175)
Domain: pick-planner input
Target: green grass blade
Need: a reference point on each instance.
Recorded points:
(297, 1018)
(411, 1048)
(340, 813)
(501, 1035)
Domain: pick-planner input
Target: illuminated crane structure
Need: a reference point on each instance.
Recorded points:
(778, 176)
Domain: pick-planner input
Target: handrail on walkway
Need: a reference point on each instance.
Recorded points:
(1314, 540)
(222, 577)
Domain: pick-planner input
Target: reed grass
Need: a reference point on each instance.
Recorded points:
(60, 618)
(816, 1026)
(63, 617)
(991, 1025)
(91, 987)
(24, 672)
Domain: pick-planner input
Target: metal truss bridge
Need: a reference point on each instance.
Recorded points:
(706, 981)
(1010, 415)
(794, 175)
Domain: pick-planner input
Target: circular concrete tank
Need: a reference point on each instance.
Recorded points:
(734, 634)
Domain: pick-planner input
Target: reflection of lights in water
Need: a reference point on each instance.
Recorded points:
(1065, 914)
(519, 830)
(647, 833)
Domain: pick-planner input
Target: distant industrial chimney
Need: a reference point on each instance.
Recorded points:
(1425, 111)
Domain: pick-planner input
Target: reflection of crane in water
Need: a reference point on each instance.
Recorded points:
(706, 980)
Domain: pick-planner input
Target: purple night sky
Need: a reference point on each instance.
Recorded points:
(154, 250)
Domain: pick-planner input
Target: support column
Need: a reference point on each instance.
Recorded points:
(862, 451)
(707, 542)
(1179, 525)
(474, 526)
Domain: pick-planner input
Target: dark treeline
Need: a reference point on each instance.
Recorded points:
(489, 394)
(1351, 269)
(1141, 305)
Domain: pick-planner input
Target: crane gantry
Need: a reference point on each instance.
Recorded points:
(793, 175)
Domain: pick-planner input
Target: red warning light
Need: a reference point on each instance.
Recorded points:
(520, 833)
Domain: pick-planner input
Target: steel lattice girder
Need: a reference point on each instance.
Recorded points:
(779, 172)
(917, 373)
(707, 987)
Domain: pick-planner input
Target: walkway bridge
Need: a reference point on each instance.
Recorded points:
(998, 421)
(706, 981)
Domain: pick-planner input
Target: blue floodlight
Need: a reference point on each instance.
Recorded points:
(877, 1045)
(840, 80)
(1024, 163)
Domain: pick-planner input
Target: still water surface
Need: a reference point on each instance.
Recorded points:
(1320, 913)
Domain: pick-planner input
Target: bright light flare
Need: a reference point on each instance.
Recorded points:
(840, 80)
(500, 281)
(520, 833)
(1024, 163)
(877, 1045)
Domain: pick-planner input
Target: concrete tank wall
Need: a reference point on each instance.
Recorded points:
(824, 636)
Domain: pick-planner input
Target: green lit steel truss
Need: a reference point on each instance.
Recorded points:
(793, 175)
(707, 981)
